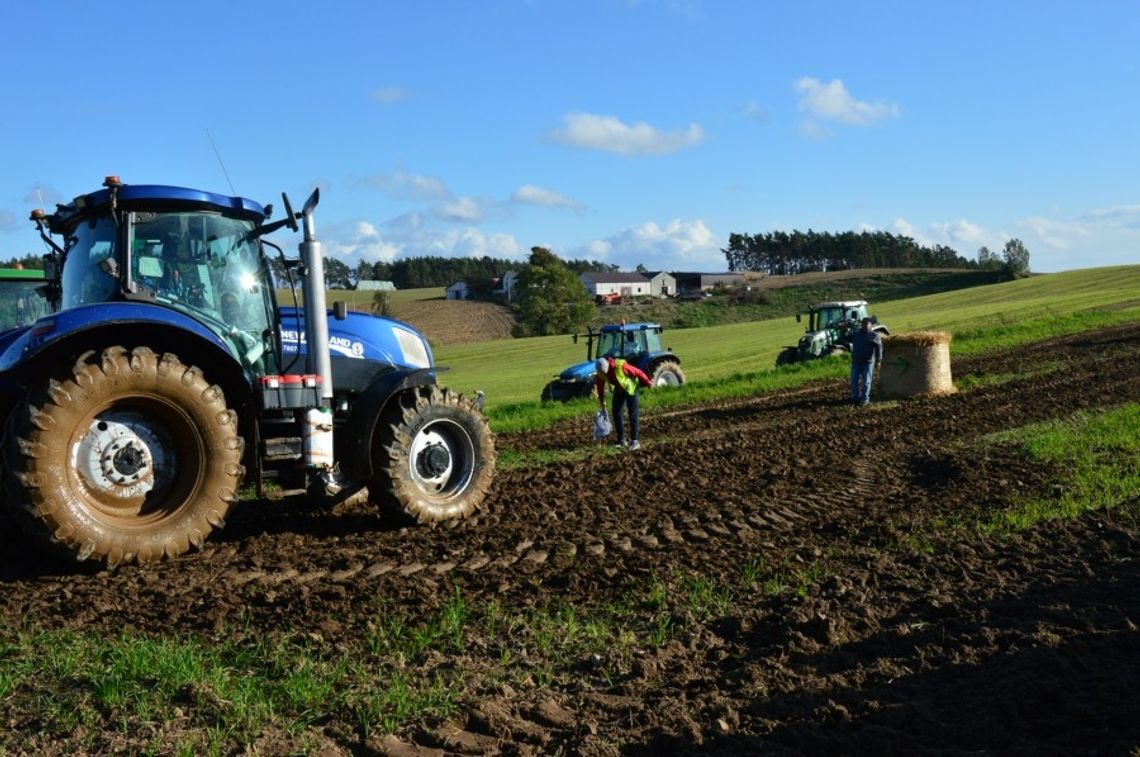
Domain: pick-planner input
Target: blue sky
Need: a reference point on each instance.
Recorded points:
(629, 131)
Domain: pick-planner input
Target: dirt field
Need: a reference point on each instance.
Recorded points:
(911, 636)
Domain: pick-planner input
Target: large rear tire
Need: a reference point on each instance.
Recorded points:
(668, 373)
(127, 456)
(435, 455)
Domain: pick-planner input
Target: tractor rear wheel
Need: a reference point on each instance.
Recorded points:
(435, 455)
(668, 373)
(127, 456)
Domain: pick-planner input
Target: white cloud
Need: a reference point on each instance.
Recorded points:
(357, 241)
(676, 246)
(544, 198)
(8, 220)
(388, 95)
(755, 111)
(1056, 234)
(606, 133)
(832, 102)
(465, 209)
(906, 229)
(407, 186)
(961, 231)
(1118, 215)
(42, 197)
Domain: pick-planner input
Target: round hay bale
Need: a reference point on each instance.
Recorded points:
(915, 364)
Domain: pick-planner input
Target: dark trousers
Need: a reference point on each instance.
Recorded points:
(621, 399)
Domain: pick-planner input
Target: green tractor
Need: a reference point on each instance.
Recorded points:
(830, 328)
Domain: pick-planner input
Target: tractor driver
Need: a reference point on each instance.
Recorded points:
(626, 379)
(183, 279)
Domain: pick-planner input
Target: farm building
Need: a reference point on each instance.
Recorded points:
(662, 284)
(702, 282)
(602, 283)
(458, 291)
(372, 285)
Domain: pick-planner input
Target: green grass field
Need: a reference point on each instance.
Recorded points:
(514, 371)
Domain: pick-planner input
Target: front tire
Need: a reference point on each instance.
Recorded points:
(788, 356)
(126, 456)
(435, 455)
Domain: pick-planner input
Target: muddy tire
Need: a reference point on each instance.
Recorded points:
(668, 373)
(787, 356)
(434, 455)
(127, 456)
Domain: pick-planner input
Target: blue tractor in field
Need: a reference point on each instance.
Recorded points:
(639, 343)
(167, 377)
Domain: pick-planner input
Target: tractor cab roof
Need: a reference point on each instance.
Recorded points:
(150, 197)
(840, 304)
(623, 327)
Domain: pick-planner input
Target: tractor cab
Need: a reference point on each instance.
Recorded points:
(192, 253)
(628, 343)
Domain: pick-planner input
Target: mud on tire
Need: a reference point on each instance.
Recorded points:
(668, 373)
(434, 455)
(128, 455)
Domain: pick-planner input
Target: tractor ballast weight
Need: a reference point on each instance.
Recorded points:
(639, 343)
(166, 377)
(830, 328)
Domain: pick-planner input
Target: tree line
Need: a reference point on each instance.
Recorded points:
(780, 253)
(426, 272)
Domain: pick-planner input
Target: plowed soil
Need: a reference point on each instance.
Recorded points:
(912, 633)
(456, 321)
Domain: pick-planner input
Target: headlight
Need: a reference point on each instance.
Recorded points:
(413, 347)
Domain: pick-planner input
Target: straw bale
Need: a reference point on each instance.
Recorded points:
(915, 364)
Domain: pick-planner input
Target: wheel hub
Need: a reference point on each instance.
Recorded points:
(435, 460)
(129, 461)
(123, 455)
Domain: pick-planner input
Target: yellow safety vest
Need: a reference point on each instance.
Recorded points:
(627, 383)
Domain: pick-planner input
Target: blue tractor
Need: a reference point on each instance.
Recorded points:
(167, 377)
(639, 343)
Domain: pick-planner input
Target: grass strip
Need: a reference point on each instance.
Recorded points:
(1101, 452)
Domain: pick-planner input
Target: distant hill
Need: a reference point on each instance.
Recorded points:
(777, 296)
(458, 322)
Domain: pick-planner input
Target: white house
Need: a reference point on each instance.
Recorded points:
(662, 284)
(602, 283)
(457, 291)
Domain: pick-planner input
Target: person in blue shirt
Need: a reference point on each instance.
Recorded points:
(866, 353)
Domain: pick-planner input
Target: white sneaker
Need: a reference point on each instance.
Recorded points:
(635, 444)
(620, 445)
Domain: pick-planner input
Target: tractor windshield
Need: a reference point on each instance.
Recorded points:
(628, 343)
(209, 267)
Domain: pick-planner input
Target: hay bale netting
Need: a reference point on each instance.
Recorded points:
(915, 364)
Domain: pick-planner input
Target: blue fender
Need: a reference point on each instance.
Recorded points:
(77, 326)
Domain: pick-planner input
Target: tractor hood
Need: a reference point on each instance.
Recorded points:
(360, 336)
(579, 372)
